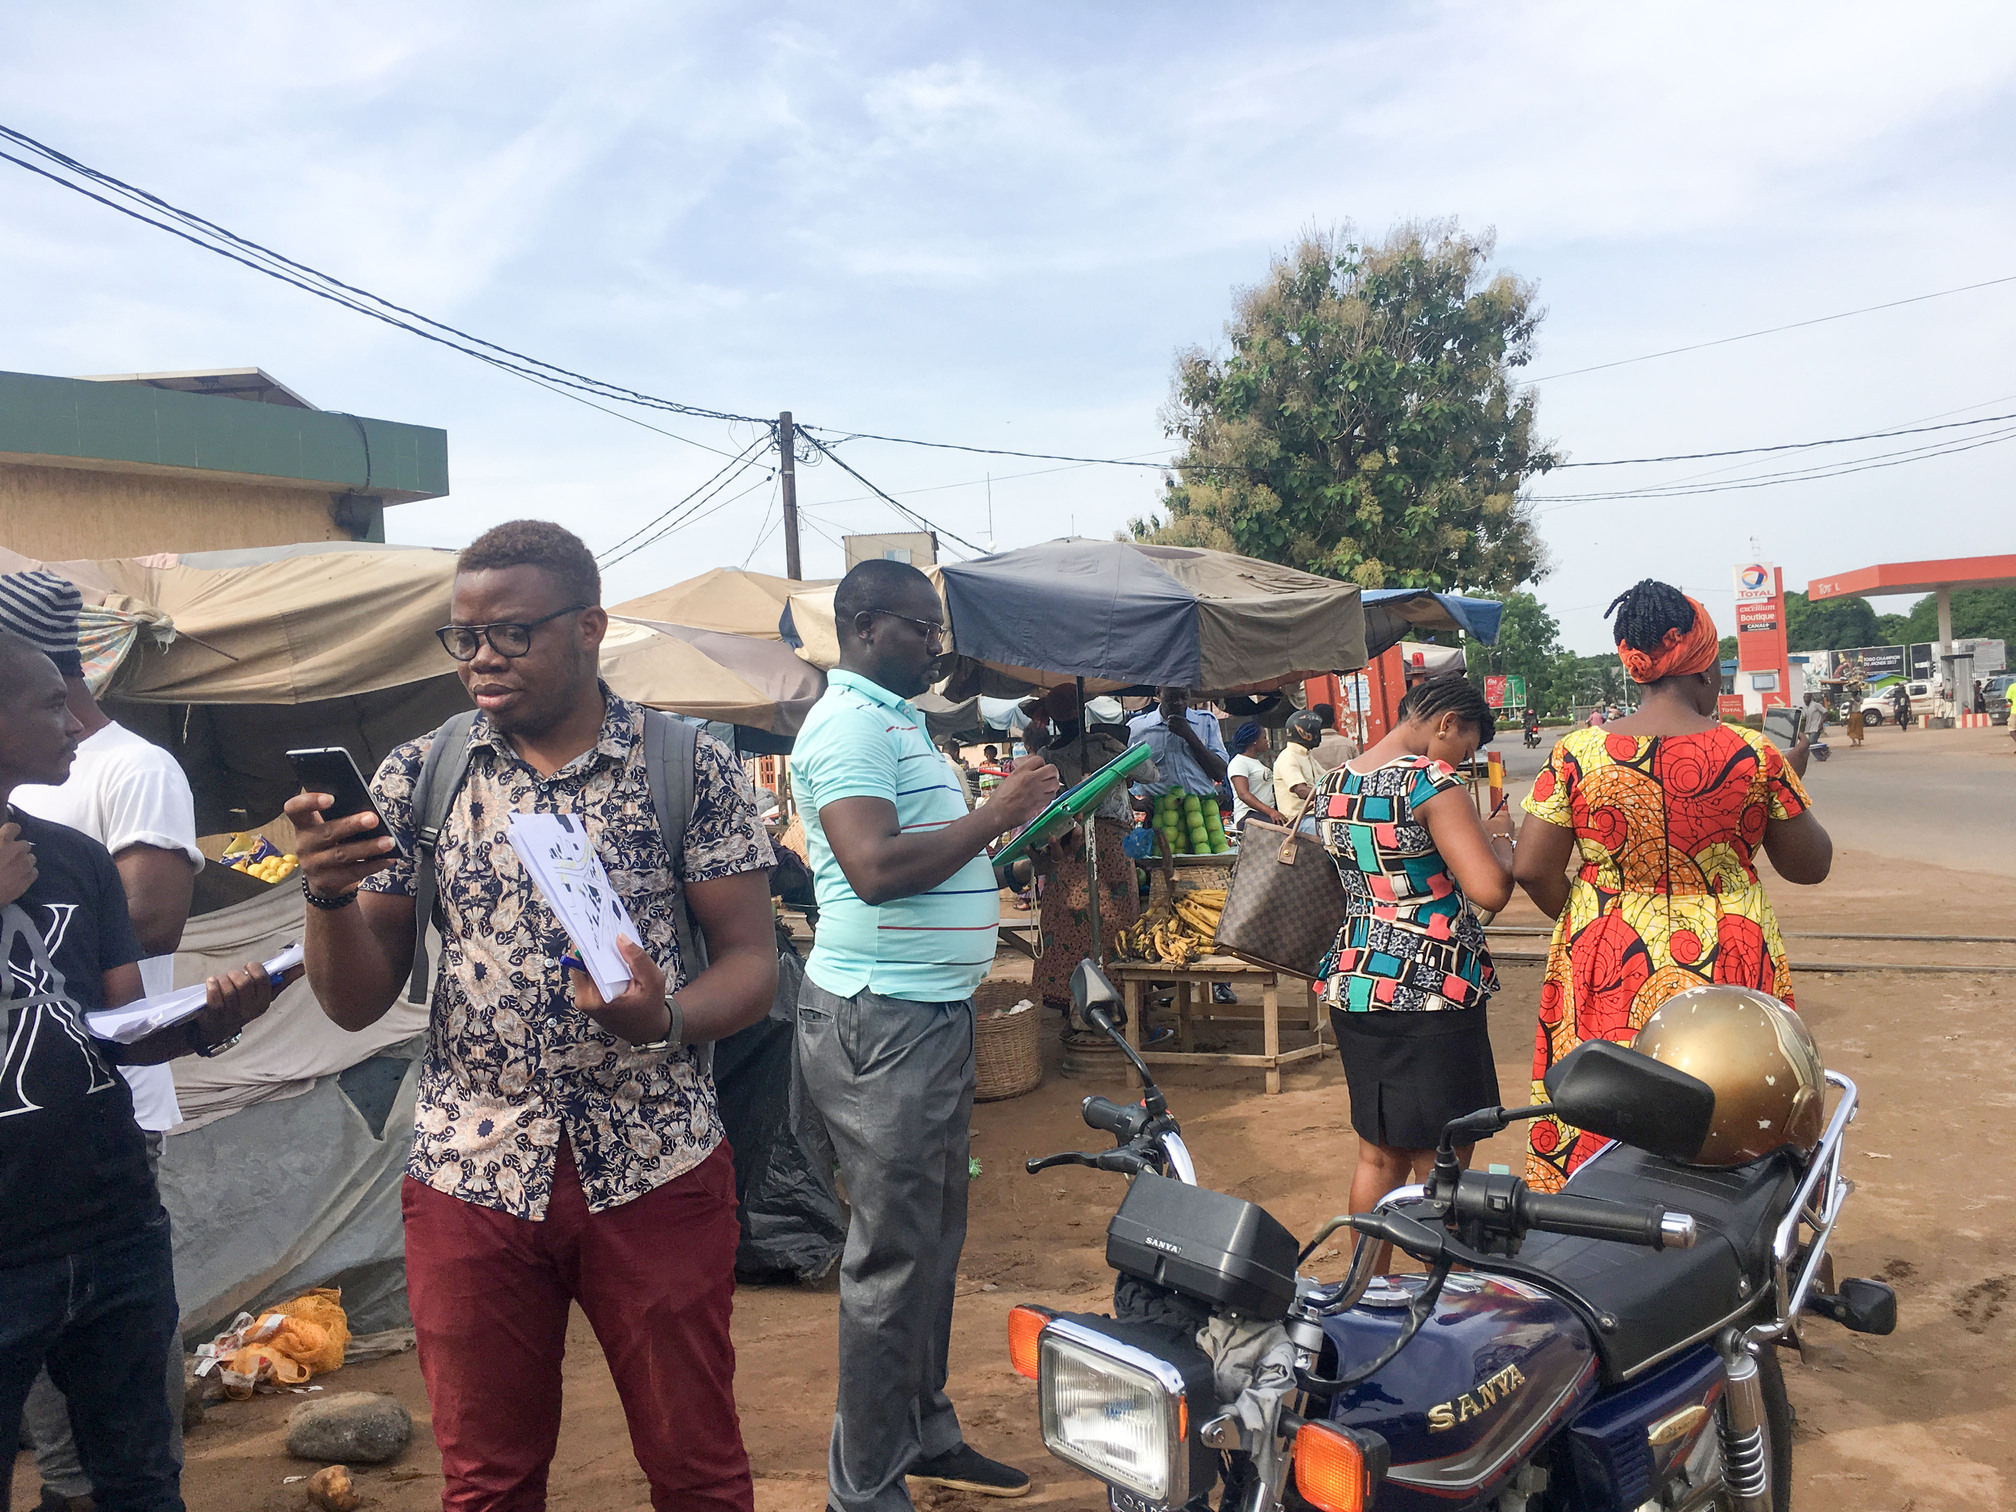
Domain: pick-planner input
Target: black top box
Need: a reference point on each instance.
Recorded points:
(1204, 1244)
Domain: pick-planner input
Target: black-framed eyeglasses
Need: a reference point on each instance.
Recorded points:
(506, 637)
(929, 627)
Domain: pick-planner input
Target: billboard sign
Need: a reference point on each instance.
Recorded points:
(1505, 692)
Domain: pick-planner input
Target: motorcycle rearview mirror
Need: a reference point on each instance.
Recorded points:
(1096, 1004)
(1626, 1095)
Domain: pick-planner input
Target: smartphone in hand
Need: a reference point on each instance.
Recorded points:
(333, 770)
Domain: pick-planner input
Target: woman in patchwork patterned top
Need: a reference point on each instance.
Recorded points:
(1409, 976)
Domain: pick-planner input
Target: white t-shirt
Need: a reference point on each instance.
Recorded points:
(1259, 778)
(127, 791)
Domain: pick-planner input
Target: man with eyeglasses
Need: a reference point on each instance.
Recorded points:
(908, 911)
(566, 1149)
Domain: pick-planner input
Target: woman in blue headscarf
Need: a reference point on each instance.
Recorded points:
(1251, 777)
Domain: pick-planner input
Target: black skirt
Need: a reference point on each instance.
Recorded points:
(1411, 1073)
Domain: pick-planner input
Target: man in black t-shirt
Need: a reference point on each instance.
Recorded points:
(87, 1283)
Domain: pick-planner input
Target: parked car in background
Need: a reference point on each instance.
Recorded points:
(1880, 708)
(1996, 691)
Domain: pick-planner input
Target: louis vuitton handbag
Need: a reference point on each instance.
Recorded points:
(1285, 902)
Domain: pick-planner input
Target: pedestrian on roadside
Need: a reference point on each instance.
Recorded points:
(1667, 810)
(1410, 975)
(1855, 729)
(1813, 718)
(1335, 748)
(1252, 778)
(567, 1148)
(87, 1279)
(908, 916)
(131, 797)
(1596, 718)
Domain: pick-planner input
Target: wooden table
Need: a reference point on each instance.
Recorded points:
(1132, 976)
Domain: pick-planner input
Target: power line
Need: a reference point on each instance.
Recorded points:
(902, 509)
(1746, 451)
(692, 501)
(692, 517)
(206, 234)
(1771, 480)
(1797, 325)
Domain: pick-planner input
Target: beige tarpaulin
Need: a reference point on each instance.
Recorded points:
(276, 625)
(728, 599)
(759, 683)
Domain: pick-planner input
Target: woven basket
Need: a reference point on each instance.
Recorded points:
(1007, 1052)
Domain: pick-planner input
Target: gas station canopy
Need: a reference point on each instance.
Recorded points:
(1916, 577)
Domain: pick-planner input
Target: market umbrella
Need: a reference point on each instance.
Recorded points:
(707, 674)
(726, 599)
(1391, 612)
(1124, 614)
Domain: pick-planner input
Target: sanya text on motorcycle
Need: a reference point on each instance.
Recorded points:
(1610, 1348)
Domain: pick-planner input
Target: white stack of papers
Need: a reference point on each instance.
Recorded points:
(136, 1021)
(569, 876)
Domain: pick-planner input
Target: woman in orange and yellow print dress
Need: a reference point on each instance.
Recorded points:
(1667, 809)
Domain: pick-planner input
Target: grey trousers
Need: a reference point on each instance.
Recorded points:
(45, 1416)
(894, 1082)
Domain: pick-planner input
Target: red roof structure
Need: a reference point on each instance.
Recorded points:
(1916, 577)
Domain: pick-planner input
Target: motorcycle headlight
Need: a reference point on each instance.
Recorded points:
(1114, 1411)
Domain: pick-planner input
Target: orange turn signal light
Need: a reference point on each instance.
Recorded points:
(1329, 1469)
(1025, 1324)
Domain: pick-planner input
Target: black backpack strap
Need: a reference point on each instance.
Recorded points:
(671, 747)
(432, 794)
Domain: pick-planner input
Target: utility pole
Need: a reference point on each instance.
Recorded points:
(787, 447)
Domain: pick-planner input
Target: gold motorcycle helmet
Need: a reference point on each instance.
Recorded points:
(1758, 1055)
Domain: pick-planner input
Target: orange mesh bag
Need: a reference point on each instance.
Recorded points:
(314, 1329)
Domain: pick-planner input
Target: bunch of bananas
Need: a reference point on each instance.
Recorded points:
(1174, 934)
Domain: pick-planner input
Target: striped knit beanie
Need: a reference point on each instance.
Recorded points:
(44, 607)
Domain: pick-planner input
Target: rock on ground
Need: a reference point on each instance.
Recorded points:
(352, 1427)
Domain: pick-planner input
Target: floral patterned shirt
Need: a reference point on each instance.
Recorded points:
(511, 1065)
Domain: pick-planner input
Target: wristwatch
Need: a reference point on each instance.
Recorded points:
(675, 1028)
(191, 1036)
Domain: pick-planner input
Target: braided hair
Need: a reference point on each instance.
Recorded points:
(1646, 611)
(1436, 696)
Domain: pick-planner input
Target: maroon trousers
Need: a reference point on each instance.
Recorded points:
(656, 1279)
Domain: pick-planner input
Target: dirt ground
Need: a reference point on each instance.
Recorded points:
(1922, 1421)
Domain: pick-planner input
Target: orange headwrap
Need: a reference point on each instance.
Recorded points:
(1680, 652)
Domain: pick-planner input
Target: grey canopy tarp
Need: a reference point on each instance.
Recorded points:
(1125, 614)
(1122, 614)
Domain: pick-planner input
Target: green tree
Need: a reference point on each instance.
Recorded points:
(1364, 423)
(1830, 625)
(1978, 613)
(1528, 646)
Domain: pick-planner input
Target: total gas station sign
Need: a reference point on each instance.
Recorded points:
(1763, 674)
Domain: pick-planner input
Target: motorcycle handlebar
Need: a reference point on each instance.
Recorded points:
(1645, 1223)
(1126, 1161)
(1110, 1117)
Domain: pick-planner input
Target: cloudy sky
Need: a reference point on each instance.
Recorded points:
(996, 224)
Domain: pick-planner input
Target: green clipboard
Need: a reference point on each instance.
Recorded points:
(1069, 808)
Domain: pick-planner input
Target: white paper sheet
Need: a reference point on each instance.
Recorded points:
(135, 1021)
(569, 876)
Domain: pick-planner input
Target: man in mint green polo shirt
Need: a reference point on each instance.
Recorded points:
(908, 911)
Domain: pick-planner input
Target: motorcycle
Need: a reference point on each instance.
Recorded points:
(1532, 737)
(1608, 1348)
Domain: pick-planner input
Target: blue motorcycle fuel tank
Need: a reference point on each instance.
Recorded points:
(1498, 1367)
